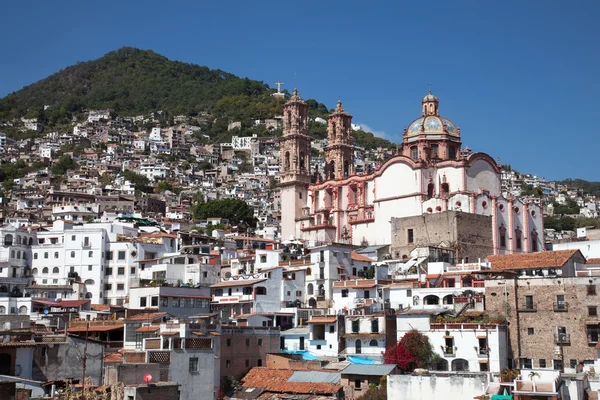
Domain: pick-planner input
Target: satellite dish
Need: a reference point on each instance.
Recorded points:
(46, 311)
(147, 378)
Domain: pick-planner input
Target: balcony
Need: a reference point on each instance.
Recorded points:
(482, 351)
(561, 306)
(562, 338)
(449, 351)
(527, 307)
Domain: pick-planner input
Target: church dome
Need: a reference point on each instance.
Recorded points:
(430, 123)
(429, 97)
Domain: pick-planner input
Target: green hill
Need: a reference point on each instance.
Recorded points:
(131, 81)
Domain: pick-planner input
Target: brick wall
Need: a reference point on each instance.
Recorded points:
(533, 333)
(7, 390)
(134, 357)
(240, 349)
(158, 392)
(469, 234)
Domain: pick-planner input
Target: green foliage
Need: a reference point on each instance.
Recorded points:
(530, 190)
(564, 223)
(64, 164)
(570, 208)
(591, 188)
(233, 209)
(141, 183)
(9, 171)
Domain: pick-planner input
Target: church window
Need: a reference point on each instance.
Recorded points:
(300, 195)
(518, 242)
(332, 169)
(434, 151)
(302, 158)
(452, 152)
(414, 153)
(346, 169)
(534, 241)
(287, 160)
(502, 236)
(445, 190)
(430, 190)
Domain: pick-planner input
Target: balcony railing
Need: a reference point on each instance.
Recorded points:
(482, 351)
(449, 351)
(527, 307)
(562, 338)
(561, 306)
(593, 337)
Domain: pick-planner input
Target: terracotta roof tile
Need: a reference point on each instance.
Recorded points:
(356, 284)
(593, 261)
(148, 316)
(276, 380)
(543, 259)
(113, 358)
(331, 320)
(148, 328)
(360, 257)
(100, 307)
(92, 328)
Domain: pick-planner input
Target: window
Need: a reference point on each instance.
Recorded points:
(164, 302)
(573, 363)
(331, 328)
(529, 303)
(72, 238)
(558, 365)
(247, 342)
(90, 254)
(72, 254)
(109, 255)
(259, 363)
(344, 292)
(542, 363)
(35, 256)
(530, 331)
(357, 383)
(259, 342)
(46, 255)
(56, 254)
(193, 364)
(142, 302)
(55, 270)
(247, 363)
(484, 367)
(375, 326)
(176, 302)
(108, 272)
(228, 342)
(298, 293)
(411, 237)
(90, 267)
(263, 259)
(227, 364)
(107, 286)
(355, 326)
(414, 153)
(86, 241)
(45, 270)
(591, 290)
(373, 343)
(121, 271)
(132, 270)
(120, 286)
(154, 301)
(526, 363)
(502, 237)
(121, 255)
(592, 311)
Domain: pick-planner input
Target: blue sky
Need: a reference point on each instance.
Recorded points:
(519, 77)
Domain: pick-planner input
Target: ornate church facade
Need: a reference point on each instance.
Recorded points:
(430, 173)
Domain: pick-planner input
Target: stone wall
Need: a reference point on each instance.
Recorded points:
(469, 234)
(241, 351)
(533, 333)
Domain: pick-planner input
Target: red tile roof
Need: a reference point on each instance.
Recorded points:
(97, 328)
(100, 307)
(276, 380)
(148, 328)
(356, 284)
(149, 316)
(331, 320)
(543, 259)
(113, 358)
(593, 261)
(238, 282)
(360, 257)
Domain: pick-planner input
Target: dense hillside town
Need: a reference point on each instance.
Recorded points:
(140, 254)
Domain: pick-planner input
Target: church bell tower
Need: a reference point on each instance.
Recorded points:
(294, 168)
(339, 153)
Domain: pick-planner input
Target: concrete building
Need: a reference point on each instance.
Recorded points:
(325, 334)
(177, 301)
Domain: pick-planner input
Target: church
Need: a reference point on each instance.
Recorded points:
(431, 193)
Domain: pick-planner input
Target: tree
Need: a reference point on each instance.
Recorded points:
(141, 182)
(413, 351)
(232, 209)
(65, 163)
(376, 392)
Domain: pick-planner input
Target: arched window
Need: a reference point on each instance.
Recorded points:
(34, 271)
(30, 243)
(55, 270)
(518, 242)
(534, 241)
(308, 271)
(302, 161)
(24, 256)
(88, 295)
(2, 310)
(35, 256)
(332, 169)
(18, 239)
(45, 270)
(452, 152)
(502, 236)
(358, 346)
(440, 364)
(414, 153)
(89, 282)
(287, 161)
(18, 255)
(460, 364)
(56, 254)
(430, 190)
(310, 289)
(72, 254)
(46, 254)
(373, 343)
(346, 168)
(263, 259)
(448, 299)
(90, 254)
(8, 240)
(431, 300)
(12, 254)
(22, 310)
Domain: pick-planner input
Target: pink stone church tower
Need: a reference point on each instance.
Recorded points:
(339, 153)
(294, 147)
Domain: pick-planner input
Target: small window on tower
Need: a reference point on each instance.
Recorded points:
(414, 153)
(300, 195)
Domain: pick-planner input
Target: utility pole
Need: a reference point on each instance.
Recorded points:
(87, 330)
